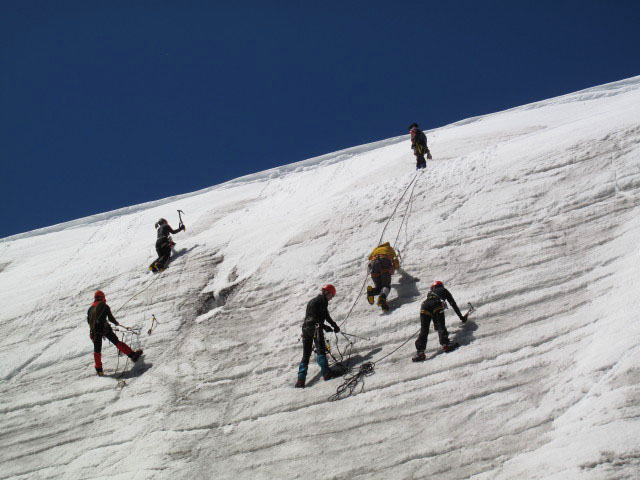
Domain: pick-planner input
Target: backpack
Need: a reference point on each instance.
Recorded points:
(433, 304)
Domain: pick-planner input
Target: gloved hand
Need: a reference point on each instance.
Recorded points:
(91, 337)
(327, 328)
(336, 328)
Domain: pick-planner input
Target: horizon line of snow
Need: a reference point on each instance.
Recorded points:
(607, 89)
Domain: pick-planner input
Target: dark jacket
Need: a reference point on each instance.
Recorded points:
(418, 138)
(165, 230)
(318, 312)
(445, 295)
(97, 317)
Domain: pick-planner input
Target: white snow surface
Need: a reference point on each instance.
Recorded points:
(531, 214)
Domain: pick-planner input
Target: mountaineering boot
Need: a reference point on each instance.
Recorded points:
(153, 267)
(321, 358)
(382, 303)
(419, 357)
(302, 374)
(135, 355)
(370, 297)
(450, 347)
(97, 359)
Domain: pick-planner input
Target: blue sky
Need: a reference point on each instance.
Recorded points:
(110, 104)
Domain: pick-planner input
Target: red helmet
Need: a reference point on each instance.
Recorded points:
(99, 295)
(329, 289)
(437, 283)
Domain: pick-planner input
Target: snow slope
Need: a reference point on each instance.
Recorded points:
(531, 214)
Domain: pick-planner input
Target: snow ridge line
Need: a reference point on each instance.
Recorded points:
(322, 160)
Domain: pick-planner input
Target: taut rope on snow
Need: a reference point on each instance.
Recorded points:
(398, 204)
(381, 237)
(349, 348)
(136, 294)
(366, 370)
(404, 217)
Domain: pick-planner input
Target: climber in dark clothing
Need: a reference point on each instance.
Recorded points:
(313, 329)
(433, 309)
(164, 244)
(419, 146)
(97, 316)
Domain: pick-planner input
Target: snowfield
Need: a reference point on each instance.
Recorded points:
(531, 214)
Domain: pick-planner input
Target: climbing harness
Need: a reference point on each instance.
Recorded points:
(316, 339)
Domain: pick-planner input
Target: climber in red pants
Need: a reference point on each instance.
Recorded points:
(97, 316)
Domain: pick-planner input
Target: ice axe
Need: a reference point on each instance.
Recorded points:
(180, 212)
(154, 323)
(471, 310)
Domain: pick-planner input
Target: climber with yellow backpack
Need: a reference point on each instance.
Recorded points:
(383, 262)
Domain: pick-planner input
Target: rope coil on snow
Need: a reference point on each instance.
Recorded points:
(366, 370)
(134, 336)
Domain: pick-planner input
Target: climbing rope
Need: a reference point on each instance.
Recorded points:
(404, 217)
(133, 339)
(130, 336)
(412, 182)
(398, 204)
(349, 347)
(366, 370)
(138, 293)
